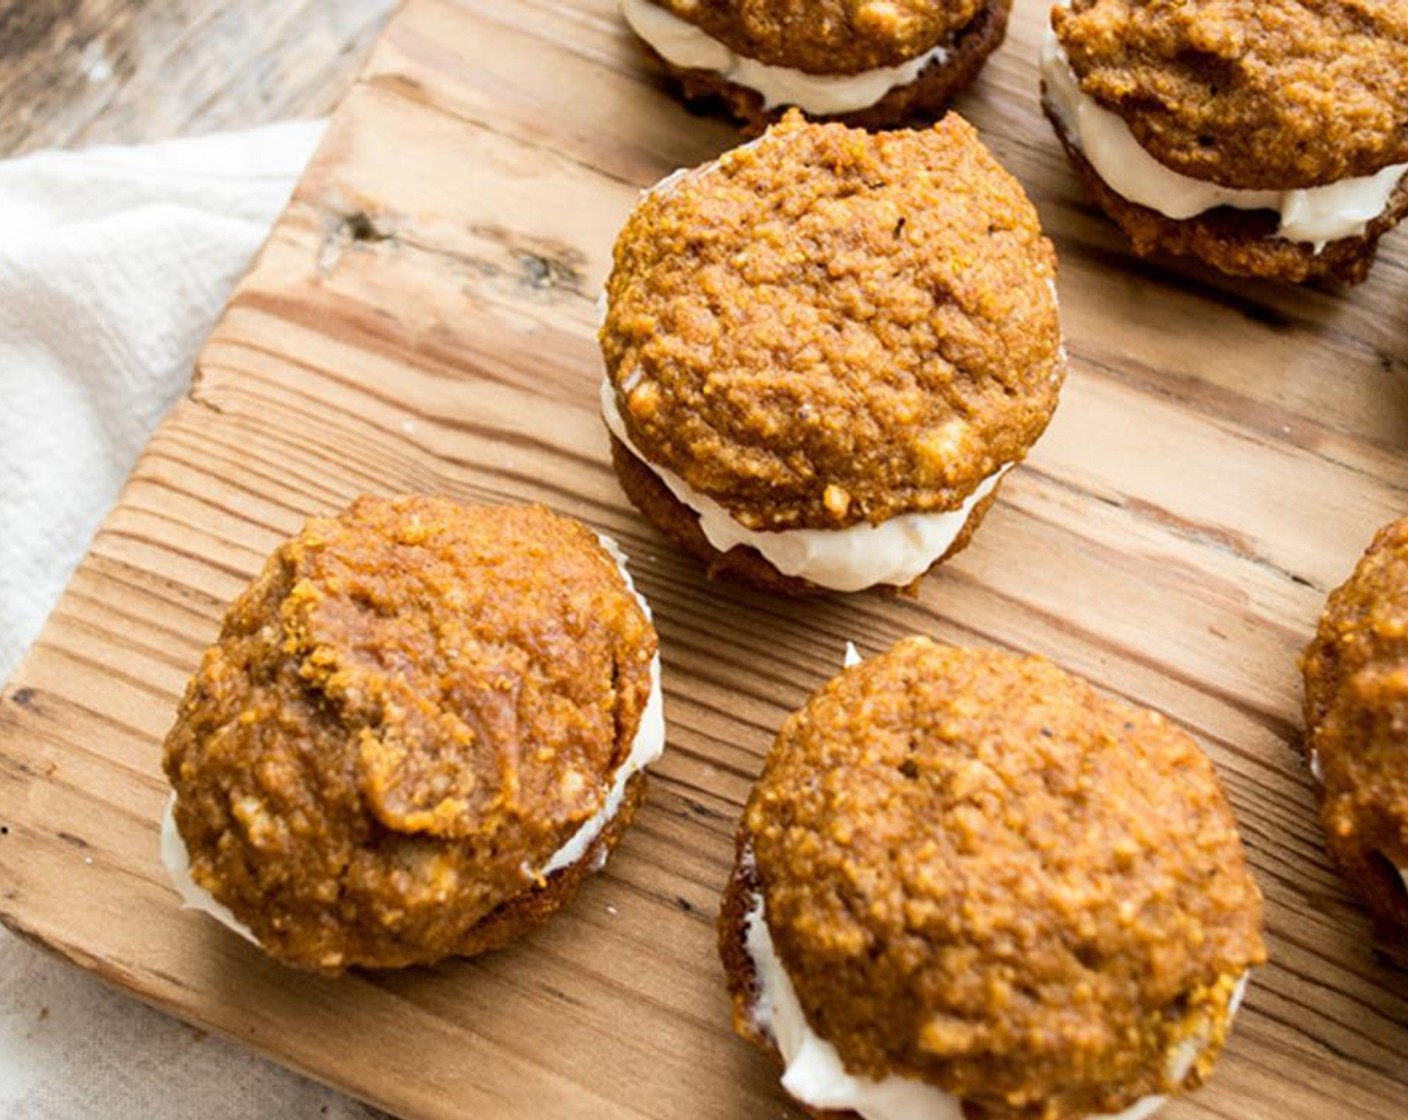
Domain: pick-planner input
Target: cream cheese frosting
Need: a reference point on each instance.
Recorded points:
(1313, 215)
(683, 44)
(647, 746)
(895, 552)
(816, 1076)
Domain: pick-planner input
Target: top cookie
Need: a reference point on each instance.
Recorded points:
(1251, 94)
(828, 36)
(828, 327)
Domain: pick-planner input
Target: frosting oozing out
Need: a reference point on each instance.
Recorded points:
(683, 44)
(896, 552)
(1313, 215)
(647, 746)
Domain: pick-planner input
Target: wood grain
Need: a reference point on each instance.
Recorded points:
(79, 72)
(422, 319)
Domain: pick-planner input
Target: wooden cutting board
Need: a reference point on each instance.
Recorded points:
(422, 319)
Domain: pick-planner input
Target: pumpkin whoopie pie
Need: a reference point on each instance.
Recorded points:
(1264, 137)
(825, 350)
(421, 727)
(967, 886)
(1356, 718)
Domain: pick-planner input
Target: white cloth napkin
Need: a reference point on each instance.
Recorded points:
(114, 264)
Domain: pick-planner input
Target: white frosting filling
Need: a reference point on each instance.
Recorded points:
(896, 552)
(683, 44)
(647, 746)
(816, 1076)
(1315, 215)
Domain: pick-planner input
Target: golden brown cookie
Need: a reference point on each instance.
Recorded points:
(1265, 139)
(1356, 718)
(1250, 93)
(966, 47)
(414, 735)
(828, 329)
(979, 876)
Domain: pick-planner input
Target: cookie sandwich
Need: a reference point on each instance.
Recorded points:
(422, 726)
(825, 350)
(968, 886)
(1264, 137)
(1356, 719)
(869, 62)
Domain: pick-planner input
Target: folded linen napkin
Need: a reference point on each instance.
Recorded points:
(114, 264)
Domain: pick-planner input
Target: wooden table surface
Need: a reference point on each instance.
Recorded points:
(80, 72)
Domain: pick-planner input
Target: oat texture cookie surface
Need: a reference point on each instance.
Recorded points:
(826, 349)
(421, 726)
(968, 885)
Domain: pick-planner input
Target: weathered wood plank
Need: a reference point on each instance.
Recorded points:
(80, 72)
(423, 318)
